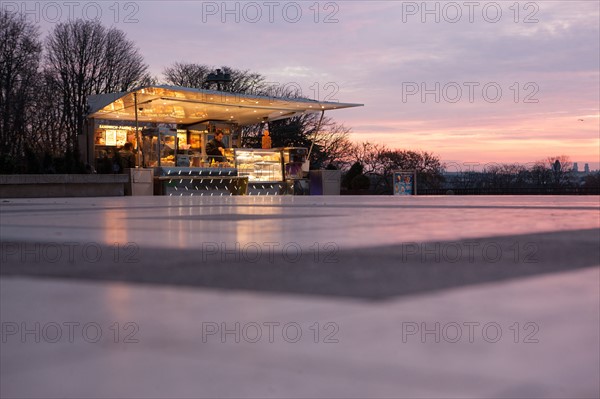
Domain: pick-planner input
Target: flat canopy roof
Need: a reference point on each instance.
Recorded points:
(183, 105)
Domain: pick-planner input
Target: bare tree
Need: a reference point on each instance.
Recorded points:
(561, 168)
(379, 162)
(332, 143)
(20, 53)
(196, 76)
(368, 155)
(565, 162)
(124, 66)
(592, 182)
(48, 132)
(186, 74)
(504, 176)
(428, 167)
(244, 81)
(85, 58)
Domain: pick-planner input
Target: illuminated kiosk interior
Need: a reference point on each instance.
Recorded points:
(169, 127)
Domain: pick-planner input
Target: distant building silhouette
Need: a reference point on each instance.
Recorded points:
(586, 168)
(557, 166)
(575, 167)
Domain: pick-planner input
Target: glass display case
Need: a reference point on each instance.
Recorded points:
(159, 146)
(259, 165)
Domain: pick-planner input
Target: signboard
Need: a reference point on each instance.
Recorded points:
(405, 182)
(115, 137)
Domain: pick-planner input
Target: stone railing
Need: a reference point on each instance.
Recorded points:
(42, 186)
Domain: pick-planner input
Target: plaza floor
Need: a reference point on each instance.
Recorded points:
(295, 297)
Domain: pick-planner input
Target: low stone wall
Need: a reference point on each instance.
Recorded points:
(43, 186)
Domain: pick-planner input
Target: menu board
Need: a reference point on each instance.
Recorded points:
(405, 182)
(115, 137)
(110, 137)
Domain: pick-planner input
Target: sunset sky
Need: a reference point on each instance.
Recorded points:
(514, 81)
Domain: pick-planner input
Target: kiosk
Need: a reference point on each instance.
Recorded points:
(169, 127)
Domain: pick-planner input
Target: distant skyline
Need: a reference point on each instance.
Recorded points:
(473, 82)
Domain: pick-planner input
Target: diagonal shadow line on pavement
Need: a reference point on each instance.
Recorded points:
(371, 273)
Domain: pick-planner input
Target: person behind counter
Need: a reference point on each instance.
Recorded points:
(215, 148)
(127, 157)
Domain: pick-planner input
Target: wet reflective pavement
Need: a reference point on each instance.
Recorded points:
(300, 297)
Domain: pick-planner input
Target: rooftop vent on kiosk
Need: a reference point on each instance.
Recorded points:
(219, 78)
